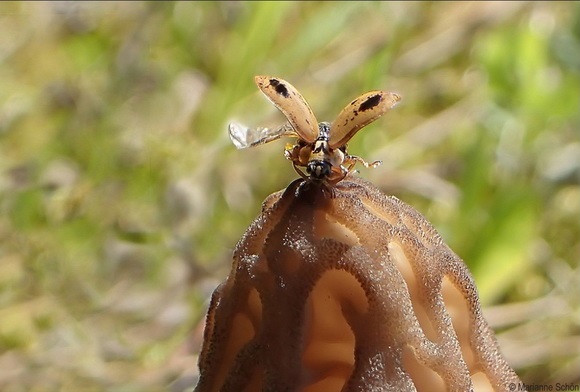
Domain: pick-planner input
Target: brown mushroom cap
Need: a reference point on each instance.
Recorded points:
(355, 292)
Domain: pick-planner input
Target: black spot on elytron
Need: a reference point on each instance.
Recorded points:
(280, 88)
(370, 103)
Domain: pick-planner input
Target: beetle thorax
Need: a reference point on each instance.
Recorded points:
(323, 159)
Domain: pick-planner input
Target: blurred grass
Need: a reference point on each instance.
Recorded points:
(121, 197)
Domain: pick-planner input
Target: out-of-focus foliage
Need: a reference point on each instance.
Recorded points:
(121, 196)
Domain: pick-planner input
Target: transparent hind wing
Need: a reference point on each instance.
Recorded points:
(292, 104)
(359, 113)
(244, 137)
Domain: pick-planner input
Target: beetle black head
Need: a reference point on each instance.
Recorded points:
(318, 169)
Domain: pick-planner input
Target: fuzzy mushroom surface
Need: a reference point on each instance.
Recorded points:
(355, 292)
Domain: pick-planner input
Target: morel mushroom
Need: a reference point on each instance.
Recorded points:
(355, 292)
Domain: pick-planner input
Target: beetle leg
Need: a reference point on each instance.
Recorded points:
(354, 159)
(299, 171)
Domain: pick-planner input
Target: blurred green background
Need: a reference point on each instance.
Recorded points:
(121, 196)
